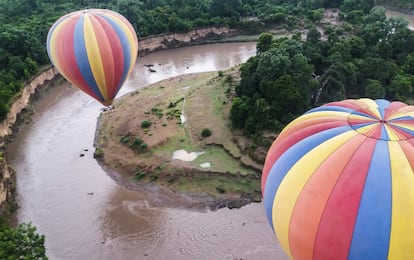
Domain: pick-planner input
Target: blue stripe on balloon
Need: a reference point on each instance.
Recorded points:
(330, 108)
(372, 228)
(384, 134)
(82, 57)
(125, 47)
(382, 103)
(381, 110)
(281, 167)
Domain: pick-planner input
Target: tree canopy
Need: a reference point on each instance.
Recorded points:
(371, 56)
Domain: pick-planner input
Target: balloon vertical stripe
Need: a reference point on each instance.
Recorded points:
(338, 182)
(95, 50)
(82, 59)
(401, 246)
(95, 59)
(374, 218)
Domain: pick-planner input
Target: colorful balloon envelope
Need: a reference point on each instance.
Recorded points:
(95, 50)
(338, 182)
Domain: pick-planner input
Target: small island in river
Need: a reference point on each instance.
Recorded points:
(176, 134)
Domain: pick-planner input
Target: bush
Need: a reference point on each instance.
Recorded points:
(139, 175)
(22, 242)
(145, 124)
(206, 132)
(124, 139)
(98, 153)
(139, 145)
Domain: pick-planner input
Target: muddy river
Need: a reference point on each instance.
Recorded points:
(85, 214)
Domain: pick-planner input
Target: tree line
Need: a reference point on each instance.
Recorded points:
(367, 55)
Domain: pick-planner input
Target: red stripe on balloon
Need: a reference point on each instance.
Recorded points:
(395, 106)
(66, 59)
(336, 226)
(310, 204)
(407, 146)
(351, 104)
(282, 144)
(115, 55)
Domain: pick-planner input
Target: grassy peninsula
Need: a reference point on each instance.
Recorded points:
(188, 114)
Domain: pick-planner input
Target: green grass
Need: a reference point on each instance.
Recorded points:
(221, 161)
(225, 184)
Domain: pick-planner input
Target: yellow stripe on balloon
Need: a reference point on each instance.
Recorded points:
(294, 181)
(391, 133)
(402, 225)
(335, 115)
(368, 102)
(94, 56)
(56, 34)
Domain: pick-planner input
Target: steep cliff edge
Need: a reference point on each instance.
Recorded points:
(7, 182)
(175, 40)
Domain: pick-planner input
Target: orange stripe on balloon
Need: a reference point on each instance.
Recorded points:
(311, 202)
(342, 206)
(313, 119)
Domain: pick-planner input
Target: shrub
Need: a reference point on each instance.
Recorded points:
(221, 189)
(98, 153)
(206, 132)
(145, 124)
(139, 175)
(124, 139)
(139, 145)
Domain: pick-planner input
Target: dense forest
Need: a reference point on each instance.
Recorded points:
(366, 55)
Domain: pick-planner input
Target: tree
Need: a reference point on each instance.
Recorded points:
(264, 43)
(21, 243)
(401, 87)
(374, 89)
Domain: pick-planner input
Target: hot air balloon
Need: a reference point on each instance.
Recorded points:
(95, 50)
(338, 182)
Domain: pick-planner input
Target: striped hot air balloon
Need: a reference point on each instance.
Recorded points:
(95, 50)
(338, 182)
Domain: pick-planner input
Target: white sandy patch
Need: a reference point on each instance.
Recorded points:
(183, 119)
(205, 165)
(183, 155)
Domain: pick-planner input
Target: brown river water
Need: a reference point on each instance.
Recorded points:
(85, 214)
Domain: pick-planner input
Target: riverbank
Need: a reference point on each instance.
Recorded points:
(154, 136)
